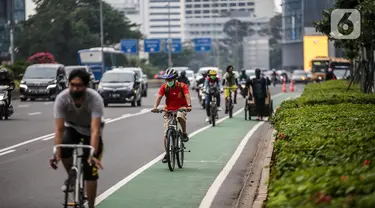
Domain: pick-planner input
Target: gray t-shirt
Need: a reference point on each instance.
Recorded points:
(79, 118)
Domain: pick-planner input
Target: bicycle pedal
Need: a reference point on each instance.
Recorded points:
(187, 151)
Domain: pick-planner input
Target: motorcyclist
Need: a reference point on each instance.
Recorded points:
(6, 80)
(212, 80)
(243, 78)
(201, 81)
(182, 78)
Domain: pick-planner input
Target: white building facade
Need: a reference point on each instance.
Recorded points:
(206, 18)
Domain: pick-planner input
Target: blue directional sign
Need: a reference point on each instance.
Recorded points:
(129, 46)
(202, 44)
(152, 45)
(176, 45)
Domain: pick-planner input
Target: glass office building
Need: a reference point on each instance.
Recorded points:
(298, 15)
(10, 11)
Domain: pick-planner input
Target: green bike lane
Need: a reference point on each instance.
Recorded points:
(211, 149)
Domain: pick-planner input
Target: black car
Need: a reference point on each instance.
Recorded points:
(92, 83)
(120, 86)
(42, 81)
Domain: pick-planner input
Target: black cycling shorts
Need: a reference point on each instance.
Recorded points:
(71, 136)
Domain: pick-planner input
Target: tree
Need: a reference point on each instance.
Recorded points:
(362, 48)
(160, 60)
(64, 27)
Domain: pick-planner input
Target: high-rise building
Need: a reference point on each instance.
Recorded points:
(298, 18)
(206, 18)
(11, 12)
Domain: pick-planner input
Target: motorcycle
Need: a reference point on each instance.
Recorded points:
(201, 96)
(5, 111)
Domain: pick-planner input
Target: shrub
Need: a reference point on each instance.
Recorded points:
(324, 149)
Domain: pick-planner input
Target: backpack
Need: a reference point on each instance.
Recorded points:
(179, 85)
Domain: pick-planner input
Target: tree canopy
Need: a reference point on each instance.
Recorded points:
(361, 48)
(64, 27)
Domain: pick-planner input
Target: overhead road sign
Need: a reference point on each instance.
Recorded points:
(129, 45)
(202, 44)
(176, 45)
(152, 45)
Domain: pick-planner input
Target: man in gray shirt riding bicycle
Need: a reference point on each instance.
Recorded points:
(78, 111)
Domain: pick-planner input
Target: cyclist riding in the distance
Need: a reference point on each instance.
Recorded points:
(78, 112)
(177, 97)
(230, 82)
(214, 81)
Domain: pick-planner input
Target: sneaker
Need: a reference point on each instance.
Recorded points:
(184, 137)
(219, 109)
(208, 119)
(217, 116)
(165, 159)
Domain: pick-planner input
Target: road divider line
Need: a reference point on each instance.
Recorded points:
(35, 113)
(107, 119)
(52, 135)
(48, 103)
(22, 106)
(26, 142)
(7, 152)
(130, 177)
(212, 191)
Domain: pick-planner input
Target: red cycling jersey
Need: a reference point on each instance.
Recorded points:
(175, 99)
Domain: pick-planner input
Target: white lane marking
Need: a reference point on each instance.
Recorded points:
(212, 191)
(35, 113)
(48, 103)
(22, 106)
(7, 152)
(130, 177)
(26, 142)
(107, 119)
(52, 135)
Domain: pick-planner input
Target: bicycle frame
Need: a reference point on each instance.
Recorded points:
(75, 167)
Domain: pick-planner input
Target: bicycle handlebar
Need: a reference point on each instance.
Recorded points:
(74, 146)
(171, 111)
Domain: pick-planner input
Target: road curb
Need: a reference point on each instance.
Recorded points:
(262, 192)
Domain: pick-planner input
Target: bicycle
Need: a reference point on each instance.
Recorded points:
(175, 148)
(77, 183)
(213, 105)
(229, 102)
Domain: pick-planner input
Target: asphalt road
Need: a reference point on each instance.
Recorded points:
(132, 138)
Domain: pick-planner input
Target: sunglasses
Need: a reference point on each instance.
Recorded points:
(80, 85)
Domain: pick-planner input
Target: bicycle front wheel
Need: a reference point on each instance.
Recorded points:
(230, 108)
(171, 155)
(70, 190)
(180, 152)
(81, 197)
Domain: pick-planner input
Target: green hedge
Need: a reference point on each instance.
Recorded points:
(324, 149)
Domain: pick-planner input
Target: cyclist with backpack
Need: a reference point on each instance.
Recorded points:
(177, 96)
(213, 81)
(259, 88)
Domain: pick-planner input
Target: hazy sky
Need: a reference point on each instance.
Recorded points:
(277, 4)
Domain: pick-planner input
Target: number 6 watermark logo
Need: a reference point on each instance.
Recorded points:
(345, 24)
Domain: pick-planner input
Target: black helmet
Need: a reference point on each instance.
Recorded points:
(183, 73)
(3, 72)
(243, 71)
(257, 70)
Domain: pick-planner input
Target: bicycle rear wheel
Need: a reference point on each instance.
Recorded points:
(171, 155)
(70, 190)
(180, 152)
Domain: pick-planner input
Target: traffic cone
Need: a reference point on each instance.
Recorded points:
(283, 88)
(291, 86)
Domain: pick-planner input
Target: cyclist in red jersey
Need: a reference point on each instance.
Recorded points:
(177, 96)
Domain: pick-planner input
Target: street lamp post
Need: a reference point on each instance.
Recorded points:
(169, 36)
(217, 46)
(11, 34)
(101, 33)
